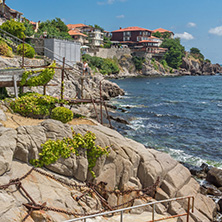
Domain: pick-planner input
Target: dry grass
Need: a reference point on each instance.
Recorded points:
(14, 121)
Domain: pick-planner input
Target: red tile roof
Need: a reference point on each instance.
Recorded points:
(130, 29)
(33, 23)
(74, 26)
(76, 32)
(144, 41)
(153, 37)
(161, 30)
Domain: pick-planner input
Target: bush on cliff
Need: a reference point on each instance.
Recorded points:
(52, 150)
(105, 66)
(34, 105)
(15, 28)
(175, 52)
(138, 62)
(195, 52)
(62, 114)
(29, 52)
(5, 50)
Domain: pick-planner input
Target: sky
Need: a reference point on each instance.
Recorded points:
(198, 23)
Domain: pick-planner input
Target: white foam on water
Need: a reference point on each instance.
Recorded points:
(133, 106)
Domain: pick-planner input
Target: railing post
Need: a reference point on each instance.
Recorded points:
(62, 78)
(188, 210)
(153, 213)
(23, 52)
(121, 216)
(101, 103)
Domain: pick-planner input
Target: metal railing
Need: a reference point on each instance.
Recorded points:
(153, 204)
(17, 41)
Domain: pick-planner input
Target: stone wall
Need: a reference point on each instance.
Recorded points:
(38, 45)
(110, 53)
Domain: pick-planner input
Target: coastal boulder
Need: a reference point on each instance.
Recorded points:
(207, 69)
(214, 176)
(2, 115)
(7, 148)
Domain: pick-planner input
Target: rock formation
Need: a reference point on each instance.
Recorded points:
(128, 165)
(195, 67)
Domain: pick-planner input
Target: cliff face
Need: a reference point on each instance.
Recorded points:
(195, 67)
(190, 66)
(128, 165)
(74, 82)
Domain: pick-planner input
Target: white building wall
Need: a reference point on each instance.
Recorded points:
(56, 49)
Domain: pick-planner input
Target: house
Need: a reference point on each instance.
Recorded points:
(78, 36)
(107, 34)
(80, 27)
(155, 39)
(161, 30)
(95, 36)
(7, 13)
(131, 34)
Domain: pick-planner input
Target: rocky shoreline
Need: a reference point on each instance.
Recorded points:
(188, 67)
(129, 164)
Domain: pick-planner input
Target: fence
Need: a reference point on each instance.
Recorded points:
(153, 204)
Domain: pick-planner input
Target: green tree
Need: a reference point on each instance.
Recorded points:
(195, 52)
(157, 34)
(29, 31)
(175, 52)
(15, 28)
(107, 42)
(207, 60)
(138, 62)
(99, 27)
(54, 28)
(164, 35)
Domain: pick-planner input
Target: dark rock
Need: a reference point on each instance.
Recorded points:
(220, 205)
(205, 167)
(122, 110)
(217, 68)
(195, 170)
(214, 176)
(119, 120)
(111, 106)
(208, 69)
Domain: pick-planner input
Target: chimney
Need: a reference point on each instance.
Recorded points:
(120, 27)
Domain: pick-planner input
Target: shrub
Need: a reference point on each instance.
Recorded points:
(138, 62)
(29, 52)
(34, 105)
(53, 150)
(5, 50)
(43, 78)
(15, 28)
(62, 114)
(105, 66)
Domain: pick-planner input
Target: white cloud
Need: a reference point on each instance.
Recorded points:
(120, 16)
(216, 31)
(191, 24)
(185, 35)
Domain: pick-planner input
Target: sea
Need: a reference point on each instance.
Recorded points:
(181, 116)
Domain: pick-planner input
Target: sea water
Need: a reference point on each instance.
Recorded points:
(178, 115)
